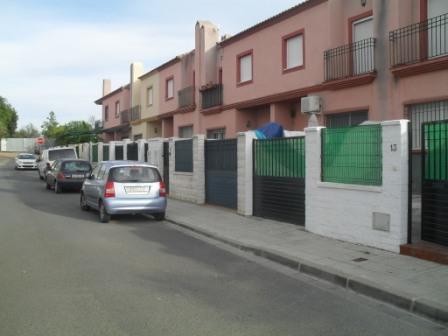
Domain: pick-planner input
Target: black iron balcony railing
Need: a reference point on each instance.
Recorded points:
(186, 96)
(419, 42)
(125, 116)
(212, 96)
(135, 113)
(350, 60)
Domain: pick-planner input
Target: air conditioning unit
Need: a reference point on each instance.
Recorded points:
(311, 104)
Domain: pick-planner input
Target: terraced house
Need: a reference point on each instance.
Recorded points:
(365, 59)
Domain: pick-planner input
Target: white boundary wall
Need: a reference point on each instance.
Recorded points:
(155, 153)
(26, 145)
(189, 186)
(373, 216)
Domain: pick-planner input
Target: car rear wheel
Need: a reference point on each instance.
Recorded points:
(159, 216)
(83, 203)
(57, 188)
(104, 216)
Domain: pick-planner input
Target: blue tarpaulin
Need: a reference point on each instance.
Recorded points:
(269, 131)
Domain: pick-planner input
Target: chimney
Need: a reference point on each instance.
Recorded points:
(136, 72)
(106, 86)
(207, 36)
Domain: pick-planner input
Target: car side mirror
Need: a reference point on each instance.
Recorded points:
(91, 177)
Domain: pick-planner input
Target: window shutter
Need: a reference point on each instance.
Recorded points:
(150, 101)
(294, 52)
(246, 68)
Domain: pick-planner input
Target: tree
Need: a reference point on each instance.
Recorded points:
(50, 126)
(29, 131)
(75, 132)
(8, 119)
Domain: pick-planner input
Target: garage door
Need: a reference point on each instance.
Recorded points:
(279, 179)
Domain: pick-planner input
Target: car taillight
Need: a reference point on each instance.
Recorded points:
(162, 189)
(60, 176)
(109, 192)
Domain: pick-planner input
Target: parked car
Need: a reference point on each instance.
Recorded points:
(124, 187)
(25, 161)
(48, 157)
(68, 174)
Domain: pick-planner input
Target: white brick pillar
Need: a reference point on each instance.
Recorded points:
(155, 153)
(125, 148)
(245, 171)
(141, 149)
(199, 167)
(395, 176)
(100, 151)
(112, 150)
(312, 175)
(85, 151)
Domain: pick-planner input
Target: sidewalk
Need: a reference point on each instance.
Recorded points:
(412, 284)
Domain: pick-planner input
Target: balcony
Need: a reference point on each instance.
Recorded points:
(212, 96)
(420, 47)
(186, 97)
(125, 116)
(136, 113)
(351, 60)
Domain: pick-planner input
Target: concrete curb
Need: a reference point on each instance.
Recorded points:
(364, 287)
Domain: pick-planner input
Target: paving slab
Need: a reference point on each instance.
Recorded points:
(410, 283)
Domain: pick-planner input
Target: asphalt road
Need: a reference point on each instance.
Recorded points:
(64, 273)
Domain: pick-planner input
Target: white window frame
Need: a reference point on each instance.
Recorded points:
(168, 81)
(300, 56)
(250, 76)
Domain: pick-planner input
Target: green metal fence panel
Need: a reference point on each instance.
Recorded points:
(436, 145)
(94, 152)
(105, 152)
(352, 155)
(283, 157)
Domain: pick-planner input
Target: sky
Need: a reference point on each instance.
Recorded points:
(54, 54)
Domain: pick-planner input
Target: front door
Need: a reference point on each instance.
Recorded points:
(362, 31)
(221, 172)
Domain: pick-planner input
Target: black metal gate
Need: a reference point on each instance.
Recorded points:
(132, 151)
(435, 182)
(119, 152)
(166, 165)
(105, 152)
(279, 179)
(146, 152)
(221, 172)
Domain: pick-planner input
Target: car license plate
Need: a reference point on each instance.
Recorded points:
(78, 176)
(136, 189)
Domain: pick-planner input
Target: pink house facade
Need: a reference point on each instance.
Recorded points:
(115, 112)
(366, 60)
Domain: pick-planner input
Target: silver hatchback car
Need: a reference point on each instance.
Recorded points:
(124, 187)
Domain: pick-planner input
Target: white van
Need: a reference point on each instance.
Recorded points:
(48, 156)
